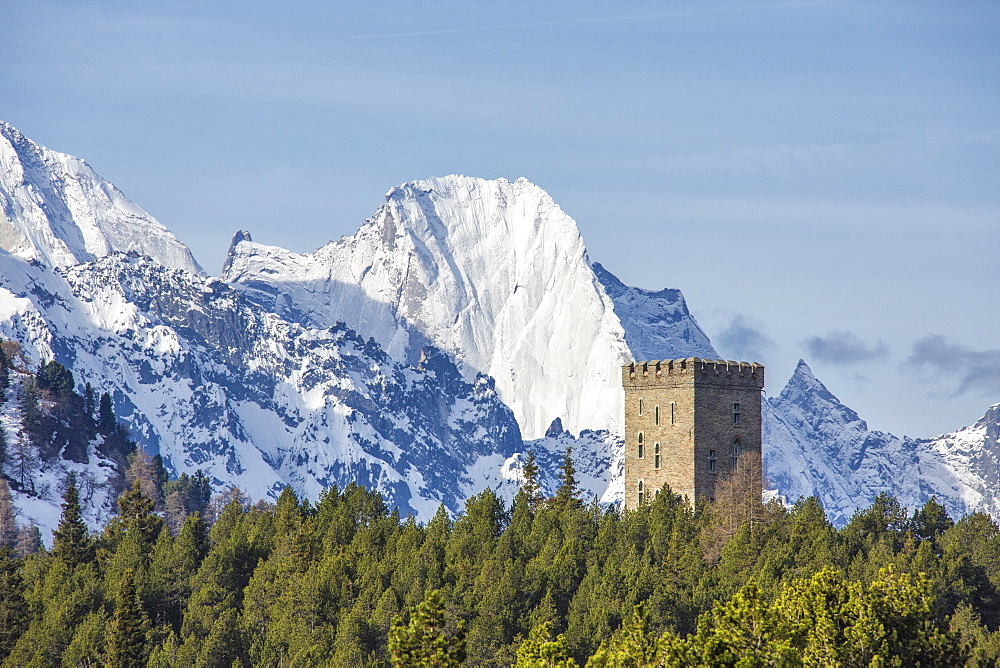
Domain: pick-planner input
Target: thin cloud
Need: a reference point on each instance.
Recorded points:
(744, 340)
(973, 371)
(723, 9)
(844, 348)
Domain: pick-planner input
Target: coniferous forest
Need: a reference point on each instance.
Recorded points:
(548, 582)
(179, 578)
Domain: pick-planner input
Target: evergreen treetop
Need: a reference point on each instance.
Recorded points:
(56, 378)
(127, 635)
(425, 641)
(568, 489)
(530, 485)
(106, 421)
(71, 540)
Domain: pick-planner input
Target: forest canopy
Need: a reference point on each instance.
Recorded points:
(545, 582)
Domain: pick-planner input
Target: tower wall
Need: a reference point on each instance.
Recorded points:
(693, 400)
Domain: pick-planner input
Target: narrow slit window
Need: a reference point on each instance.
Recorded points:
(711, 461)
(736, 414)
(736, 451)
(656, 415)
(642, 447)
(640, 406)
(656, 455)
(673, 413)
(641, 492)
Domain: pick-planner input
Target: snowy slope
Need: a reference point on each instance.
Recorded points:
(598, 458)
(211, 381)
(657, 325)
(37, 502)
(493, 272)
(55, 209)
(814, 445)
(964, 466)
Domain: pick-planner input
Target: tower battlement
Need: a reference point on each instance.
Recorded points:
(652, 373)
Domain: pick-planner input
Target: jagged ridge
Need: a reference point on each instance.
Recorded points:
(816, 446)
(54, 208)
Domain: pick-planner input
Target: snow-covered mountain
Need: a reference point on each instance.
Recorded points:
(258, 394)
(493, 272)
(966, 464)
(816, 446)
(210, 381)
(461, 326)
(55, 209)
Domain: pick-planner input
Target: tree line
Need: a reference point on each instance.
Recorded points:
(544, 582)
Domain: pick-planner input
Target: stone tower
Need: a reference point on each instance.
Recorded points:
(687, 423)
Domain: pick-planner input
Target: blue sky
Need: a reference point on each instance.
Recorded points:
(821, 179)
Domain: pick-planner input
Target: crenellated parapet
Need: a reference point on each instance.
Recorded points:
(656, 373)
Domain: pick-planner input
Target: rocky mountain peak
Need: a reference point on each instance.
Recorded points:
(54, 208)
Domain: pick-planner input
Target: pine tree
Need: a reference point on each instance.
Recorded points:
(825, 620)
(14, 614)
(71, 542)
(567, 492)
(530, 485)
(931, 520)
(222, 647)
(127, 641)
(135, 513)
(631, 645)
(176, 575)
(56, 378)
(287, 515)
(8, 523)
(89, 400)
(425, 642)
(540, 650)
(106, 421)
